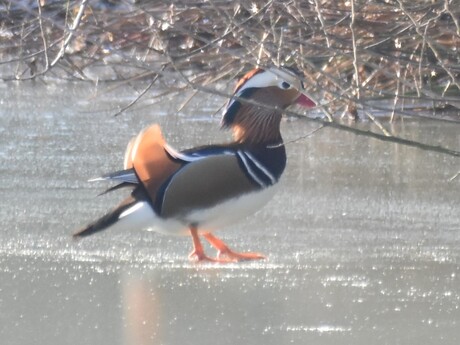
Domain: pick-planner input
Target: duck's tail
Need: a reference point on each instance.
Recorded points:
(105, 221)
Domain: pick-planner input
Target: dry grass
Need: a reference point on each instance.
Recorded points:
(394, 56)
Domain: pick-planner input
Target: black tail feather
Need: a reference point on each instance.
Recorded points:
(105, 221)
(118, 186)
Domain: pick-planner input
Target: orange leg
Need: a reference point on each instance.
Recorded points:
(224, 251)
(198, 252)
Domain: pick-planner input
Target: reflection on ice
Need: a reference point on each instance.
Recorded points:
(318, 329)
(352, 281)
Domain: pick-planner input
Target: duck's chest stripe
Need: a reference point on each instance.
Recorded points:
(256, 170)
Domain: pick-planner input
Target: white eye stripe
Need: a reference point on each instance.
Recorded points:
(263, 79)
(289, 77)
(272, 77)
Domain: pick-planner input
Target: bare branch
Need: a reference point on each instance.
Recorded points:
(141, 94)
(45, 43)
(72, 29)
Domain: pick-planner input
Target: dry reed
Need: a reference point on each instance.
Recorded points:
(397, 57)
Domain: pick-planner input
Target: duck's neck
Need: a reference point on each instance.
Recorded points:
(256, 126)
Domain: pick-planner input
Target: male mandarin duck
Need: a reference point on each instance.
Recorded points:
(202, 189)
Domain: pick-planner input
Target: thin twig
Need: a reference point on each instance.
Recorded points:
(309, 134)
(454, 177)
(141, 94)
(452, 15)
(45, 43)
(336, 125)
(355, 49)
(72, 29)
(430, 43)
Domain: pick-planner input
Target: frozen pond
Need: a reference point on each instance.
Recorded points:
(362, 239)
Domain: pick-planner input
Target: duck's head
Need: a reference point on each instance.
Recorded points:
(268, 92)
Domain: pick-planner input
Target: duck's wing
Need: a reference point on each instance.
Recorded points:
(128, 160)
(150, 161)
(178, 182)
(211, 176)
(126, 178)
(146, 161)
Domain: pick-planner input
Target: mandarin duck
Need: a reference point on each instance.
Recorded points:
(200, 190)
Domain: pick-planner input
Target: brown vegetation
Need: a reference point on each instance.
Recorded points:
(396, 56)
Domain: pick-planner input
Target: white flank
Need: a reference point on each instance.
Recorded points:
(142, 217)
(231, 211)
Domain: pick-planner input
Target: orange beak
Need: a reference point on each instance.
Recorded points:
(304, 101)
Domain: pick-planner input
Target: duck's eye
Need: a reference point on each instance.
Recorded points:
(285, 85)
